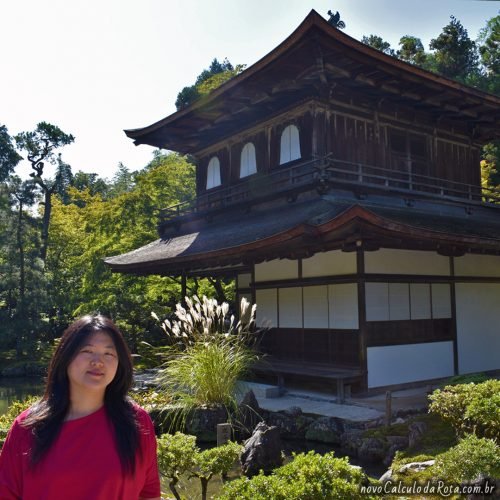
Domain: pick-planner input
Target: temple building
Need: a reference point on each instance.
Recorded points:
(341, 187)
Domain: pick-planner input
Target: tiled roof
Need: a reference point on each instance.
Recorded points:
(275, 231)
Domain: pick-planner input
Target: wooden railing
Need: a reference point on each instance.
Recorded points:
(328, 172)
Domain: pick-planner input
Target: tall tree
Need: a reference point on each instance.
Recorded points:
(90, 181)
(455, 53)
(489, 49)
(490, 46)
(23, 195)
(40, 146)
(378, 43)
(217, 74)
(9, 157)
(412, 50)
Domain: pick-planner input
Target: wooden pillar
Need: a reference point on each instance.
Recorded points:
(454, 316)
(360, 261)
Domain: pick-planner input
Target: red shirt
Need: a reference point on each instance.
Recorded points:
(82, 463)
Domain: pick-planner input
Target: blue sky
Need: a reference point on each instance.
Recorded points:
(96, 67)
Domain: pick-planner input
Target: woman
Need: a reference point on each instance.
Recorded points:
(85, 439)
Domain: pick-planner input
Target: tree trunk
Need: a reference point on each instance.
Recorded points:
(47, 210)
(20, 247)
(20, 308)
(219, 290)
(204, 487)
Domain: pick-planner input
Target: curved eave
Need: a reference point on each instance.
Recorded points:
(343, 231)
(157, 134)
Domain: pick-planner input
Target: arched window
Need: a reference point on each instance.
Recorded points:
(213, 173)
(248, 163)
(290, 144)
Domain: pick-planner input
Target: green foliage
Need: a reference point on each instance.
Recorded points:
(490, 46)
(475, 378)
(412, 50)
(7, 419)
(215, 461)
(176, 455)
(306, 476)
(471, 457)
(210, 355)
(92, 227)
(378, 43)
(470, 408)
(207, 81)
(214, 351)
(9, 157)
(455, 53)
(207, 373)
(490, 166)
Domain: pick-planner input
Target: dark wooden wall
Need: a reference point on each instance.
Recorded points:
(339, 347)
(359, 136)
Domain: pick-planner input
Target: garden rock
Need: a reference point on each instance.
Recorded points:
(202, 422)
(395, 443)
(249, 414)
(351, 441)
(262, 451)
(416, 466)
(292, 423)
(416, 430)
(372, 449)
(326, 430)
(386, 476)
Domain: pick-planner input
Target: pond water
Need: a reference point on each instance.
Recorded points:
(12, 389)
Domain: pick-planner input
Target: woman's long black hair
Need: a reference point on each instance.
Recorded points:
(47, 417)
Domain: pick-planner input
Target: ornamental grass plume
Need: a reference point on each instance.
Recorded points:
(211, 353)
(204, 319)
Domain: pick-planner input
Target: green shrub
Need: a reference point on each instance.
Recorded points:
(307, 476)
(469, 458)
(470, 408)
(215, 461)
(15, 408)
(469, 378)
(176, 455)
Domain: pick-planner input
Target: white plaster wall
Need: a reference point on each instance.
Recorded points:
(343, 306)
(478, 326)
(377, 301)
(477, 265)
(278, 269)
(420, 300)
(316, 306)
(409, 363)
(441, 300)
(267, 307)
(399, 301)
(244, 280)
(290, 307)
(391, 261)
(332, 263)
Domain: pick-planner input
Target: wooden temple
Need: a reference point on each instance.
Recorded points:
(341, 188)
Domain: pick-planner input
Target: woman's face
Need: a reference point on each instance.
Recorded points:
(95, 364)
